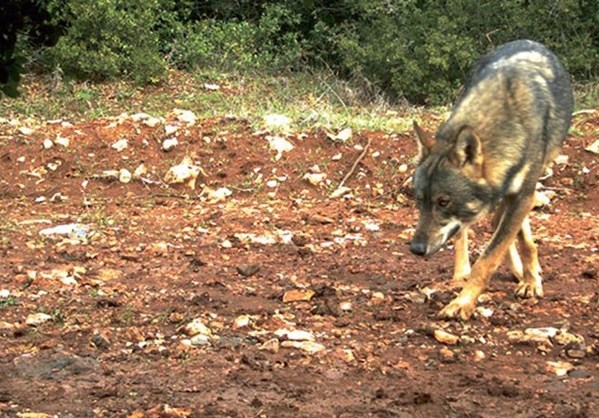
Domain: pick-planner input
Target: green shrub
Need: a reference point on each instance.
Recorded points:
(108, 39)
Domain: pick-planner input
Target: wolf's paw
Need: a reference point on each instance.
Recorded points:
(459, 308)
(529, 290)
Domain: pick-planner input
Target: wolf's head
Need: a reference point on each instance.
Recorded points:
(449, 187)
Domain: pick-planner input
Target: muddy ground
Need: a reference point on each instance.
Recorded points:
(168, 301)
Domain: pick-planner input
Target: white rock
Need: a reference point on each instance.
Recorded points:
(37, 319)
(315, 178)
(559, 368)
(402, 168)
(215, 196)
(272, 184)
(561, 159)
(62, 141)
(341, 191)
(186, 116)
(310, 347)
(196, 327)
(4, 293)
(541, 333)
(26, 130)
(342, 136)
(169, 143)
(279, 145)
(185, 171)
(594, 147)
(336, 157)
(170, 129)
(211, 87)
(120, 145)
(241, 321)
(140, 171)
(137, 117)
(48, 143)
(200, 340)
(125, 175)
(295, 335)
(73, 229)
(152, 122)
(226, 244)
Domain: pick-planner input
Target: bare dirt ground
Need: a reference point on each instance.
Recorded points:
(275, 301)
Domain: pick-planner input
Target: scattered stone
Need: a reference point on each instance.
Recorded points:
(315, 178)
(200, 340)
(576, 353)
(4, 293)
(559, 368)
(152, 122)
(196, 327)
(298, 295)
(566, 338)
(140, 171)
(215, 196)
(402, 168)
(48, 143)
(185, 171)
(594, 147)
(446, 355)
(139, 116)
(120, 145)
(37, 319)
(33, 415)
(158, 248)
(295, 335)
(169, 144)
(211, 87)
(308, 346)
(271, 345)
(170, 129)
(342, 136)
(279, 145)
(479, 355)
(186, 116)
(271, 184)
(248, 270)
(226, 244)
(74, 230)
(340, 192)
(345, 306)
(125, 175)
(445, 337)
(241, 321)
(26, 130)
(541, 333)
(109, 175)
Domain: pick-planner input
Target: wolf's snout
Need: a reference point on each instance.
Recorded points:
(418, 248)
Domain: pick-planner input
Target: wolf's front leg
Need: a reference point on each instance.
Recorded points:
(515, 212)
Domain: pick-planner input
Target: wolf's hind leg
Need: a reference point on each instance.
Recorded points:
(530, 283)
(462, 260)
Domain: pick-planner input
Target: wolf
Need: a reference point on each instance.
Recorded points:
(505, 129)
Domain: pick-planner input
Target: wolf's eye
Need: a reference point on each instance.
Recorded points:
(443, 202)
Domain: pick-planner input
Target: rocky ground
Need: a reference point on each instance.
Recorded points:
(253, 289)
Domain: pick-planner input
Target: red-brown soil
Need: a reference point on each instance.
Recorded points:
(156, 257)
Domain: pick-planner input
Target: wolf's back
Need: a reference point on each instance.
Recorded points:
(518, 90)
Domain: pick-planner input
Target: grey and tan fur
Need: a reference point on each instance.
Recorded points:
(507, 126)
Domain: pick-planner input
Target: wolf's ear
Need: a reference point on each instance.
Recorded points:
(467, 150)
(424, 140)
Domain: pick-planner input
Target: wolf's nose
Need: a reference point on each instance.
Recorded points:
(418, 248)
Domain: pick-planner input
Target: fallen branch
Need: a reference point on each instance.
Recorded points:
(351, 171)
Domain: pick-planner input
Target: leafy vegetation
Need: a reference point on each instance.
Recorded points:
(408, 49)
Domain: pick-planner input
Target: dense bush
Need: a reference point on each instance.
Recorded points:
(417, 49)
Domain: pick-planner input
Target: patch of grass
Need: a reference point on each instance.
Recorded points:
(586, 96)
(311, 100)
(8, 302)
